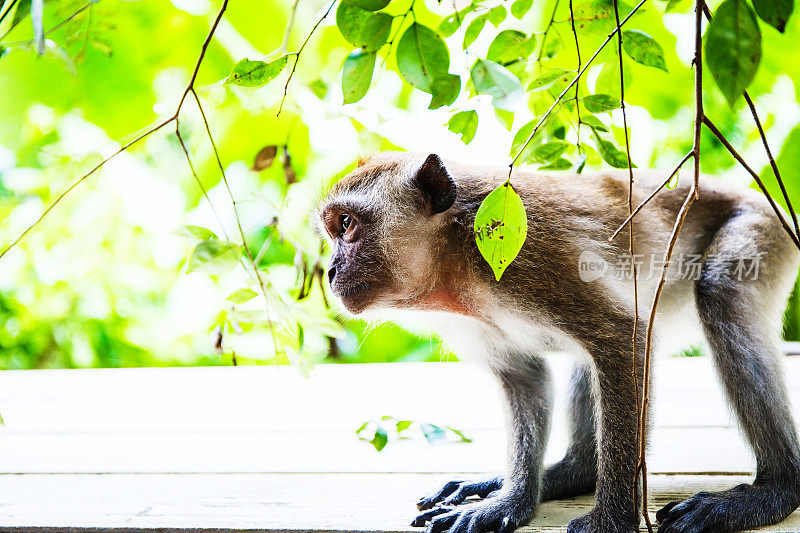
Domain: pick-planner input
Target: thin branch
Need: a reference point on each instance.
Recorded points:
(547, 31)
(570, 85)
(651, 196)
(300, 51)
(693, 194)
(577, 86)
(718, 134)
(197, 179)
(127, 145)
(54, 28)
(773, 163)
(632, 252)
(287, 33)
(5, 13)
(234, 204)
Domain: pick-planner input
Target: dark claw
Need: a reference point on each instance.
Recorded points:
(426, 502)
(482, 489)
(442, 523)
(425, 517)
(663, 513)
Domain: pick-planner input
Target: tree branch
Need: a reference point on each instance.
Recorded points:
(300, 51)
(651, 196)
(560, 97)
(126, 146)
(756, 177)
(693, 194)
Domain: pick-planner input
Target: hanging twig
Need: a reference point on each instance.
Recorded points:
(651, 196)
(300, 51)
(578, 85)
(126, 146)
(54, 28)
(234, 203)
(575, 79)
(755, 176)
(772, 163)
(634, 271)
(693, 194)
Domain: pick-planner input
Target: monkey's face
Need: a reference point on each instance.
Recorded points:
(380, 220)
(358, 271)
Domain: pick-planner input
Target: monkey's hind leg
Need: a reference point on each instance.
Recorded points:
(576, 473)
(739, 320)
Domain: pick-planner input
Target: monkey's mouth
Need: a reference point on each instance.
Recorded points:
(355, 296)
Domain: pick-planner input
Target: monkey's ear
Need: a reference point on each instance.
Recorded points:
(436, 184)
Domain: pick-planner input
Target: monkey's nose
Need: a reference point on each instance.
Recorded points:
(331, 274)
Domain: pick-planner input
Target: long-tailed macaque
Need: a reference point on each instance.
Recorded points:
(403, 242)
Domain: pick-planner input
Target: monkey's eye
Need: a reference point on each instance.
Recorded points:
(345, 222)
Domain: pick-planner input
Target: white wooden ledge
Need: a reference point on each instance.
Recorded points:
(261, 449)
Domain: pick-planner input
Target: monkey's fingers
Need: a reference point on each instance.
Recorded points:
(426, 502)
(482, 489)
(427, 516)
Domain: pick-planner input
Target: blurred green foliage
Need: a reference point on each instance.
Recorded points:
(106, 279)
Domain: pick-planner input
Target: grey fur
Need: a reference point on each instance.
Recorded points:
(411, 259)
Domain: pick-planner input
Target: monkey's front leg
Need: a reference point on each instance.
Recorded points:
(616, 508)
(528, 397)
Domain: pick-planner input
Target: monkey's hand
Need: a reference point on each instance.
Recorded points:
(502, 514)
(455, 492)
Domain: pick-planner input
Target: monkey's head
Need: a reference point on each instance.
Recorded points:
(384, 221)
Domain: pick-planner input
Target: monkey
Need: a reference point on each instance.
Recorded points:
(401, 228)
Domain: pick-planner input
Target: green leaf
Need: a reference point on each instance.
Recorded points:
(371, 5)
(593, 122)
(474, 30)
(643, 49)
(673, 181)
(214, 256)
(242, 295)
(362, 427)
(520, 7)
(403, 425)
(600, 103)
(464, 123)
(519, 141)
(733, 48)
(550, 150)
(248, 73)
(433, 433)
(498, 82)
(444, 90)
(422, 56)
(449, 25)
(357, 75)
(350, 19)
(548, 78)
(380, 439)
(497, 15)
(558, 164)
(505, 118)
(610, 153)
(460, 434)
(500, 228)
(375, 31)
(197, 232)
(319, 88)
(774, 12)
(509, 46)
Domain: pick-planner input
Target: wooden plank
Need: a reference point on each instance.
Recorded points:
(269, 502)
(267, 419)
